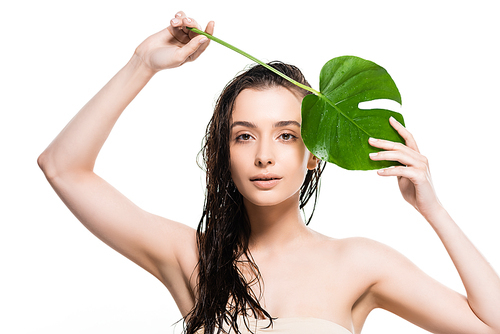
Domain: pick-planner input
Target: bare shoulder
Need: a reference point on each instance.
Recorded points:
(354, 248)
(362, 257)
(375, 258)
(368, 264)
(357, 265)
(365, 249)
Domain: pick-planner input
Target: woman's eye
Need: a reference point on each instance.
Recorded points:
(243, 137)
(287, 136)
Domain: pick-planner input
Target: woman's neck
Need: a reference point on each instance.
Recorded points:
(275, 228)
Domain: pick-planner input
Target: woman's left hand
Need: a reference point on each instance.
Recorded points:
(414, 176)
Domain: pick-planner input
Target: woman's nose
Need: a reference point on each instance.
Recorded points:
(264, 156)
(264, 162)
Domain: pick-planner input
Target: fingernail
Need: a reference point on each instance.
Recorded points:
(178, 14)
(373, 140)
(203, 40)
(175, 21)
(188, 19)
(373, 154)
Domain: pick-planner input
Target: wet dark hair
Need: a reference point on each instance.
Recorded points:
(222, 292)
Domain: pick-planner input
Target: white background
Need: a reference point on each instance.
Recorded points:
(56, 277)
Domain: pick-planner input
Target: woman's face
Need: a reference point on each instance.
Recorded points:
(268, 159)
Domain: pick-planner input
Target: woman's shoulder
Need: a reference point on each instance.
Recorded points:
(350, 244)
(359, 252)
(361, 245)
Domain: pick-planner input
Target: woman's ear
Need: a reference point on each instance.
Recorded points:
(313, 162)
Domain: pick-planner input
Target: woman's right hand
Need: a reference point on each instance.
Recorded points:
(174, 45)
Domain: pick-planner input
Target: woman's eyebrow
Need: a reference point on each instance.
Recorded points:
(286, 123)
(275, 125)
(244, 123)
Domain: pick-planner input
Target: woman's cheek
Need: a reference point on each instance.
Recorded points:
(235, 166)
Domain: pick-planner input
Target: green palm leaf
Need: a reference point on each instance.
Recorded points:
(334, 128)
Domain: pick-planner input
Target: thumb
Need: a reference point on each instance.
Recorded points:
(187, 50)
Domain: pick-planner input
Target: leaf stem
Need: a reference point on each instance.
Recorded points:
(255, 60)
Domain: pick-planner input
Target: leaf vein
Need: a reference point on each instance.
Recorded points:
(347, 117)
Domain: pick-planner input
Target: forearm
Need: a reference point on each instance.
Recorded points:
(78, 144)
(481, 282)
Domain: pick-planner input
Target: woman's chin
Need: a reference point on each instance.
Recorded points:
(270, 199)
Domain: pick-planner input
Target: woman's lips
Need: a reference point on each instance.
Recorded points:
(265, 184)
(266, 181)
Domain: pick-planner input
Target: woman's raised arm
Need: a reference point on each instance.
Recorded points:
(68, 161)
(404, 289)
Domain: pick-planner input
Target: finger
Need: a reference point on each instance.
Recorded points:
(180, 22)
(400, 171)
(189, 22)
(386, 144)
(407, 136)
(184, 54)
(177, 20)
(399, 156)
(176, 29)
(397, 152)
(209, 30)
(416, 176)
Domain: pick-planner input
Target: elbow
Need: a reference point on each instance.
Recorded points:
(43, 162)
(47, 165)
(57, 166)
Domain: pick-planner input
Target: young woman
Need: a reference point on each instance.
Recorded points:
(226, 275)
